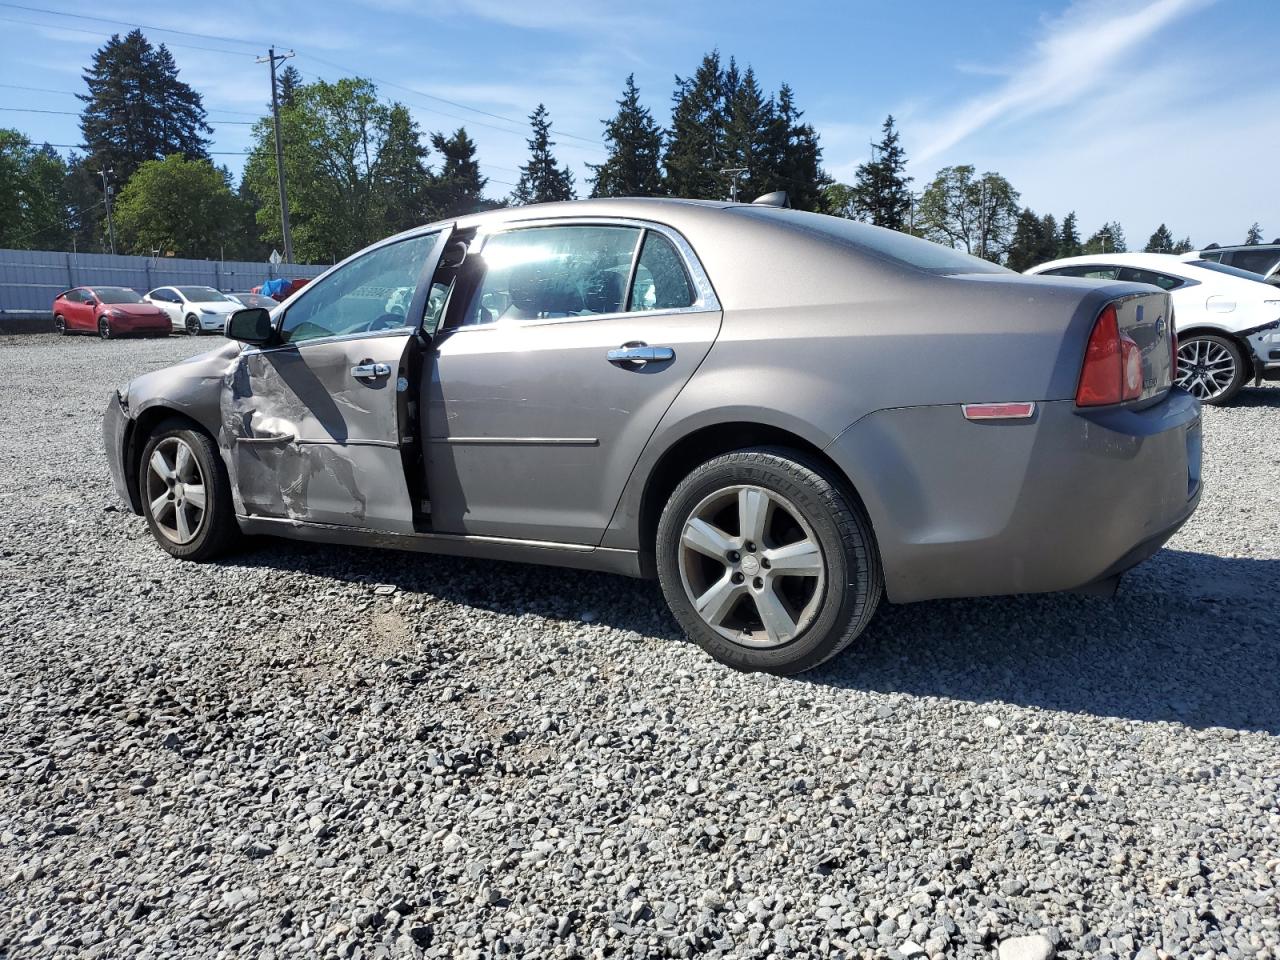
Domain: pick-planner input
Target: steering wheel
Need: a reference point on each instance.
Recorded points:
(388, 321)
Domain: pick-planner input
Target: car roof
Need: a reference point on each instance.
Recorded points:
(1236, 247)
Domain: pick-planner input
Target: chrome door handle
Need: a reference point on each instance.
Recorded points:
(638, 354)
(370, 370)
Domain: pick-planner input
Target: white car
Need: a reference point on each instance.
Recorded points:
(194, 309)
(1227, 320)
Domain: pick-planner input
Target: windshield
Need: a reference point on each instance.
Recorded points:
(1229, 271)
(202, 295)
(902, 247)
(116, 295)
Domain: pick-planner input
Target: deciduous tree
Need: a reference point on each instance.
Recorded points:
(976, 214)
(181, 206)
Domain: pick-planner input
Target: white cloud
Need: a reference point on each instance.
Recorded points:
(1081, 51)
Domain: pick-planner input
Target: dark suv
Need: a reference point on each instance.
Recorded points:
(1263, 258)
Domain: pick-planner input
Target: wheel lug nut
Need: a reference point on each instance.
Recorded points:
(738, 578)
(764, 562)
(751, 547)
(757, 583)
(733, 556)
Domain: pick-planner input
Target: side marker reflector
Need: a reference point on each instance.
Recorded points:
(998, 411)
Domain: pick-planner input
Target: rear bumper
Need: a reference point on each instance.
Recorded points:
(1056, 502)
(117, 428)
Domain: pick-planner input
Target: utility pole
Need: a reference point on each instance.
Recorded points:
(735, 173)
(273, 58)
(107, 189)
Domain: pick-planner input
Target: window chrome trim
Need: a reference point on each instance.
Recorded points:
(705, 300)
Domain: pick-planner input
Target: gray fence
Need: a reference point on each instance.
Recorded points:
(30, 279)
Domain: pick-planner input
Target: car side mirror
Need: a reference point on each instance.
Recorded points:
(250, 325)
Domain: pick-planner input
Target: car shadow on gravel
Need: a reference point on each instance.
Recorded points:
(1190, 638)
(1257, 397)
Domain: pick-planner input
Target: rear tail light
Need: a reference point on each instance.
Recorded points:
(1112, 371)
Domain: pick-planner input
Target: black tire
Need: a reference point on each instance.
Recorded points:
(1240, 371)
(193, 325)
(853, 582)
(60, 324)
(217, 530)
(104, 328)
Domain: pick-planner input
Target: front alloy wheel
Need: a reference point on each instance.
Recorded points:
(104, 328)
(60, 325)
(176, 492)
(1210, 368)
(767, 560)
(186, 496)
(193, 326)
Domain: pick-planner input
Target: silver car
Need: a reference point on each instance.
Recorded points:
(781, 416)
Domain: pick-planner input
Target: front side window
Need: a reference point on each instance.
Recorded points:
(661, 282)
(546, 273)
(368, 294)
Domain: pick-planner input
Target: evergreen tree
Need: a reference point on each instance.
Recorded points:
(1048, 249)
(1069, 237)
(1031, 237)
(405, 181)
(541, 180)
(748, 118)
(635, 151)
(1108, 238)
(795, 158)
(287, 83)
(882, 194)
(1254, 235)
(86, 209)
(458, 188)
(694, 154)
(1160, 242)
(137, 109)
(1183, 246)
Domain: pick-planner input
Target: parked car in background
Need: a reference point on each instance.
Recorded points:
(1259, 258)
(195, 310)
(108, 312)
(1228, 322)
(709, 393)
(254, 300)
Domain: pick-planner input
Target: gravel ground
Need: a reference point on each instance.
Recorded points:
(331, 752)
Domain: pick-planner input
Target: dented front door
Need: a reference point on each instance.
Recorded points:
(314, 423)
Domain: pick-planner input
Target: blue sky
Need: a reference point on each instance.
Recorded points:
(1136, 110)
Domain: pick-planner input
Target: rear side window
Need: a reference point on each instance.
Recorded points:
(548, 273)
(1161, 280)
(1255, 261)
(1088, 271)
(661, 282)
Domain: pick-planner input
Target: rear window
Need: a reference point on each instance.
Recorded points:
(878, 241)
(1229, 271)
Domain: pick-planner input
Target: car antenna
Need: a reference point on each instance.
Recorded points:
(778, 198)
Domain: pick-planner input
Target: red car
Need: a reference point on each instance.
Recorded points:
(109, 312)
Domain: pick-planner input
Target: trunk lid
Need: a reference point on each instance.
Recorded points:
(1147, 320)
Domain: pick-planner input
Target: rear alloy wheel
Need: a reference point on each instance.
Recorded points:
(767, 562)
(186, 496)
(104, 328)
(60, 324)
(193, 325)
(1211, 368)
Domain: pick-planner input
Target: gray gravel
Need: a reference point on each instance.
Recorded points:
(329, 752)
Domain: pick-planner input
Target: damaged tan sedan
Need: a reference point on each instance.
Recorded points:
(782, 416)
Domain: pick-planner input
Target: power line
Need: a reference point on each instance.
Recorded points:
(99, 33)
(76, 113)
(124, 23)
(73, 93)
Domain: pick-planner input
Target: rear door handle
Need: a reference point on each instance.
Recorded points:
(637, 354)
(368, 370)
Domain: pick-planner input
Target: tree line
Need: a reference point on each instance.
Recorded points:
(358, 167)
